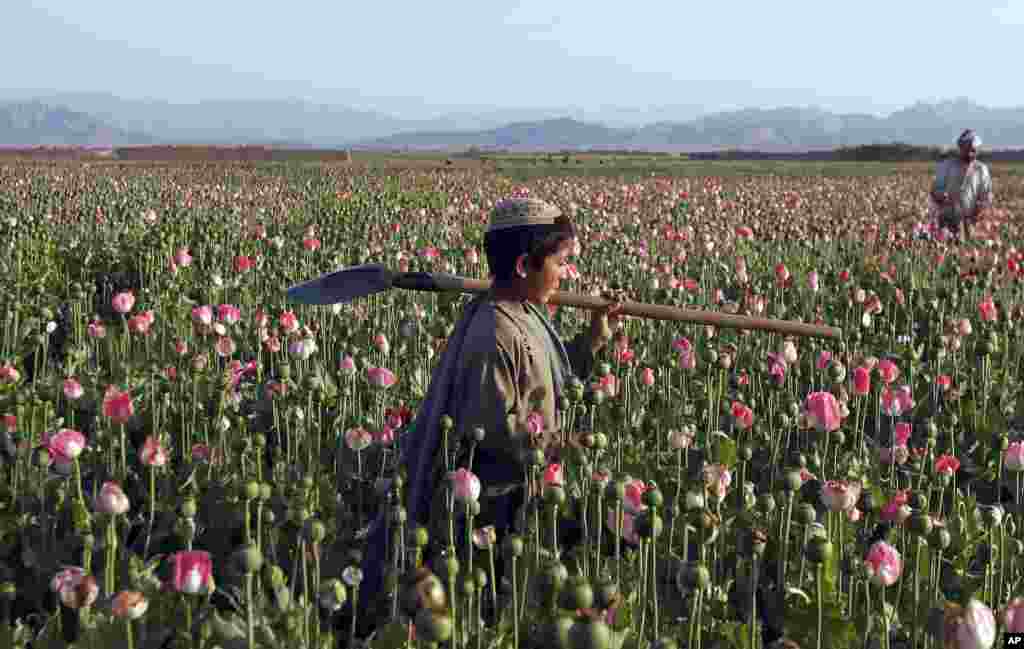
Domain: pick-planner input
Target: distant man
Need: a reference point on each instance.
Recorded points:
(962, 188)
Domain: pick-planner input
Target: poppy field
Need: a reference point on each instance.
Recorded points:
(190, 461)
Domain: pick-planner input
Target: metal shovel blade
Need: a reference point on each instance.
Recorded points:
(343, 286)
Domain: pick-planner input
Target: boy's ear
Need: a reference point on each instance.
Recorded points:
(521, 265)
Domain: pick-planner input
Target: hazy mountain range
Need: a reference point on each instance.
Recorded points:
(105, 120)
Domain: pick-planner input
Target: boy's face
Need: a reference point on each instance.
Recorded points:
(543, 283)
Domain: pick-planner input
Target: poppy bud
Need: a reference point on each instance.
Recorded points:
(939, 538)
(819, 549)
(249, 559)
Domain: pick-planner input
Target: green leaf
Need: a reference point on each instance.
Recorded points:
(724, 451)
(790, 590)
(394, 635)
(228, 627)
(829, 570)
(801, 624)
(735, 634)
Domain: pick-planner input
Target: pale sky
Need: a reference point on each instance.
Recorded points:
(417, 58)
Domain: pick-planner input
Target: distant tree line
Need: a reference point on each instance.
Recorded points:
(243, 153)
(894, 152)
(178, 153)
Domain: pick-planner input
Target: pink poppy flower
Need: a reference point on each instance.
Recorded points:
(117, 405)
(884, 564)
(554, 476)
(129, 605)
(823, 411)
(1013, 457)
(717, 479)
(193, 572)
(123, 302)
(182, 258)
(466, 486)
(777, 368)
(888, 371)
(385, 436)
(902, 433)
(65, 446)
(381, 377)
(976, 627)
(225, 346)
(228, 314)
(896, 402)
(203, 453)
(628, 520)
(399, 415)
(824, 358)
(153, 453)
(813, 282)
(288, 322)
(946, 464)
(742, 415)
(607, 384)
(781, 274)
(358, 439)
(634, 500)
(140, 324)
(840, 495)
(987, 310)
(1013, 615)
(348, 365)
(535, 424)
(243, 263)
(112, 499)
(9, 374)
(647, 376)
(73, 389)
(202, 315)
(897, 509)
(96, 330)
(75, 588)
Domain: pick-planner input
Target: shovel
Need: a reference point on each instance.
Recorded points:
(360, 281)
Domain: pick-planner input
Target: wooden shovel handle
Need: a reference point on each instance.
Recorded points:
(453, 283)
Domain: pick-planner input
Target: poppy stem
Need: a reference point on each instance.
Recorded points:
(128, 633)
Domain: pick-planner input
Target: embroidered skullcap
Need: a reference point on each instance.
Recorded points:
(969, 137)
(517, 212)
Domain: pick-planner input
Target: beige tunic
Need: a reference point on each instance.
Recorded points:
(970, 186)
(509, 367)
(509, 372)
(500, 355)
